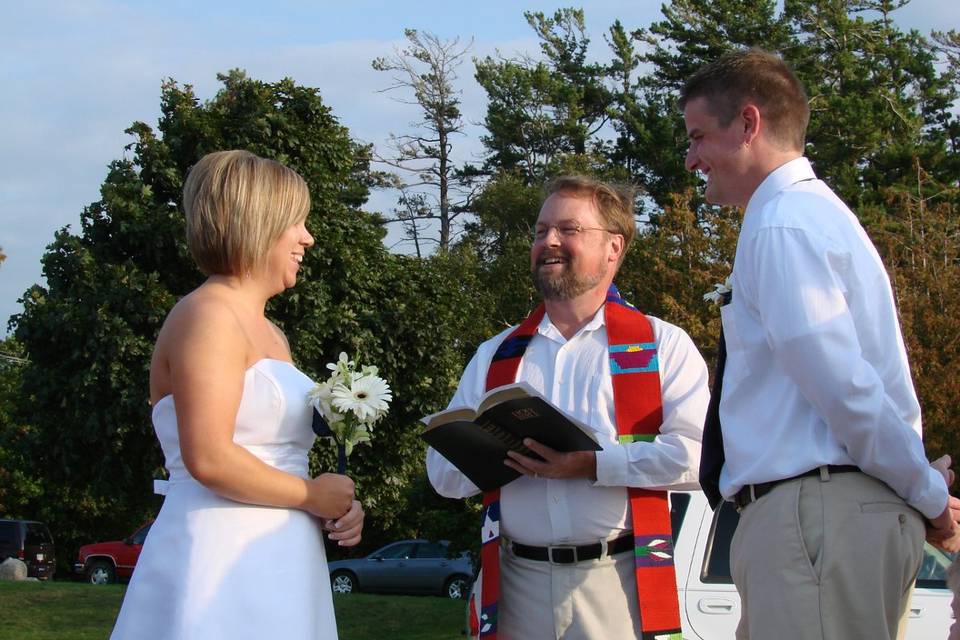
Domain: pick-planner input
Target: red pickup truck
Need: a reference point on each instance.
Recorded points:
(104, 562)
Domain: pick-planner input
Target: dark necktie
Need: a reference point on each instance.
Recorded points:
(711, 455)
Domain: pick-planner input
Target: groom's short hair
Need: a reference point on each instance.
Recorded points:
(237, 205)
(759, 77)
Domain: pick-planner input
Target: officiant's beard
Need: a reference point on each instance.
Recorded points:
(567, 285)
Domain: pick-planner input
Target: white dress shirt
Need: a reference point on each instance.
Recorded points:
(816, 367)
(575, 376)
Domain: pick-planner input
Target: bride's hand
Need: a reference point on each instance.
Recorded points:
(346, 530)
(330, 495)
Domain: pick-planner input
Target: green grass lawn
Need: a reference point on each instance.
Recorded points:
(77, 611)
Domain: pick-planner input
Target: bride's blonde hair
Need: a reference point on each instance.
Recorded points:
(237, 205)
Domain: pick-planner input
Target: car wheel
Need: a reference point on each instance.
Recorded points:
(457, 588)
(343, 582)
(101, 572)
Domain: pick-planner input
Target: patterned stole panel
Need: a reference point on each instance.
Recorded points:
(637, 405)
(638, 409)
(503, 370)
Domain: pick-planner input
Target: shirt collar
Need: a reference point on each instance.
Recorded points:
(548, 330)
(779, 179)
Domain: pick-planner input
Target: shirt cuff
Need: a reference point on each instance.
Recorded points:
(612, 466)
(930, 503)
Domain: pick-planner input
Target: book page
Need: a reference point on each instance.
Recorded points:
(457, 414)
(505, 393)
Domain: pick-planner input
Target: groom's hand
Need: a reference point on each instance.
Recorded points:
(330, 495)
(346, 530)
(943, 531)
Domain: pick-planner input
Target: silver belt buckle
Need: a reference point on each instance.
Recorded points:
(571, 547)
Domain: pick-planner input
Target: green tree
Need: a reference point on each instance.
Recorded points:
(18, 484)
(651, 137)
(876, 96)
(542, 110)
(919, 238)
(948, 44)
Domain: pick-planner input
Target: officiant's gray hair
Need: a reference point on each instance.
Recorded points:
(237, 205)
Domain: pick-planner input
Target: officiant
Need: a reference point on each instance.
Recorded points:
(580, 545)
(816, 434)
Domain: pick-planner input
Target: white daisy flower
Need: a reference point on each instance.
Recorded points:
(367, 397)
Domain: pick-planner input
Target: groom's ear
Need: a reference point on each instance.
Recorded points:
(752, 122)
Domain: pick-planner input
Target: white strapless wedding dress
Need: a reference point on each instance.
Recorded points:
(212, 568)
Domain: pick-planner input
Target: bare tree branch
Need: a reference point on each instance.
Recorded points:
(427, 68)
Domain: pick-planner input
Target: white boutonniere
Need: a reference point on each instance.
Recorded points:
(721, 293)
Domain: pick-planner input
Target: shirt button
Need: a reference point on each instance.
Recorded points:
(903, 518)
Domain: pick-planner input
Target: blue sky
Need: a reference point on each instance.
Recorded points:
(77, 73)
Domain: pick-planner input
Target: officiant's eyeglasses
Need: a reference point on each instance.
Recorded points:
(567, 229)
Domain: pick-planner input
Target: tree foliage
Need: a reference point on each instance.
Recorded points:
(19, 485)
(541, 110)
(651, 135)
(919, 237)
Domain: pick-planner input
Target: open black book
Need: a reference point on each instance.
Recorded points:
(476, 442)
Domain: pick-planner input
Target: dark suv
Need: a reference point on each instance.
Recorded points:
(31, 542)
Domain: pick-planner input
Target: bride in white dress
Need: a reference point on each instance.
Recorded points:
(237, 549)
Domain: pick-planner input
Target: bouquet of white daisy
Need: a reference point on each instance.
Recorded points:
(347, 405)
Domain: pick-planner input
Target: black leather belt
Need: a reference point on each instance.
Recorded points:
(569, 554)
(753, 492)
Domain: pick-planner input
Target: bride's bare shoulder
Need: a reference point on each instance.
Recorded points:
(206, 314)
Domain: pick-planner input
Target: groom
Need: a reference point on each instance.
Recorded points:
(580, 545)
(820, 421)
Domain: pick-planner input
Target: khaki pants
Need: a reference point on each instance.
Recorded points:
(596, 599)
(826, 559)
